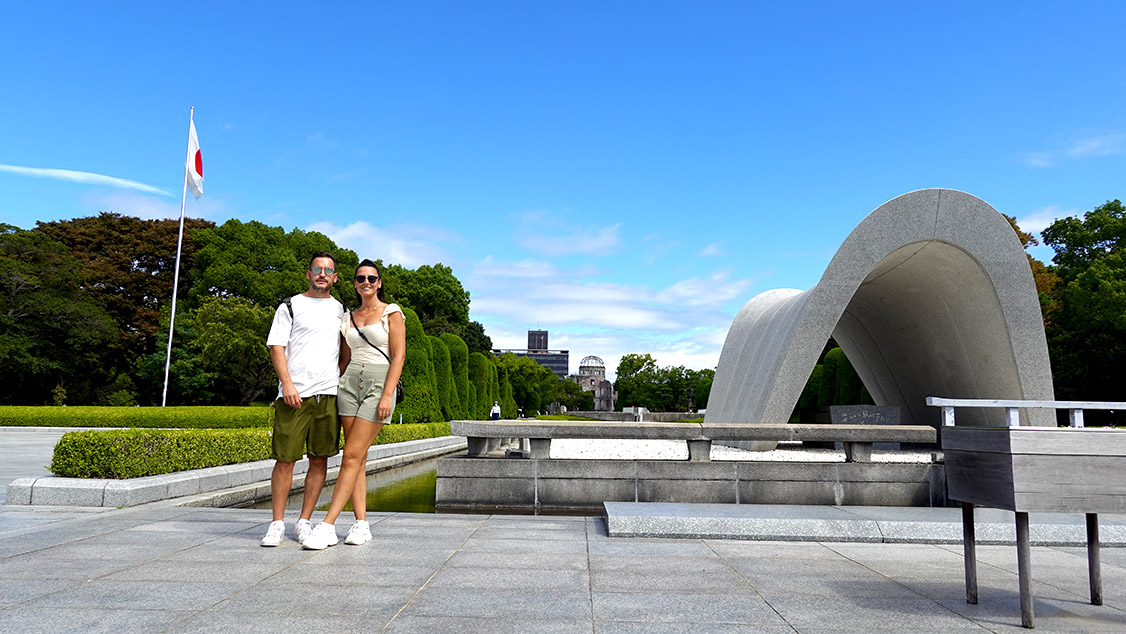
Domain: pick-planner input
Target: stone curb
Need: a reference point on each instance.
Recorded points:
(903, 525)
(54, 491)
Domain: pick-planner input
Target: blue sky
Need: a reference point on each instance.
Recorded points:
(625, 175)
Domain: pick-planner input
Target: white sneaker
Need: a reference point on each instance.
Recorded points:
(274, 534)
(304, 527)
(360, 533)
(322, 536)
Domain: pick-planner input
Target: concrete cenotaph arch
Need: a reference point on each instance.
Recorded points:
(930, 295)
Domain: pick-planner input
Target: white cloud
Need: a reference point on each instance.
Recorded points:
(1079, 145)
(149, 208)
(550, 235)
(1038, 219)
(88, 178)
(407, 245)
(1105, 144)
(344, 176)
(318, 139)
(714, 290)
(714, 249)
(529, 268)
(684, 324)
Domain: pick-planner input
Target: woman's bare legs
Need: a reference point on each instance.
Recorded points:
(358, 436)
(360, 492)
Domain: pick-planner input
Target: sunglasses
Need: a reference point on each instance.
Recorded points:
(316, 270)
(372, 279)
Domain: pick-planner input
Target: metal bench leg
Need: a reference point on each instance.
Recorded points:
(1024, 571)
(969, 548)
(1093, 564)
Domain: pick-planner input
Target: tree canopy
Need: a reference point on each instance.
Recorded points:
(434, 293)
(53, 331)
(1085, 319)
(85, 310)
(128, 266)
(641, 383)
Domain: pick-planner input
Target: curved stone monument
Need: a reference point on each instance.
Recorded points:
(930, 295)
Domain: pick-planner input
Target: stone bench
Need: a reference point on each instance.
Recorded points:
(857, 439)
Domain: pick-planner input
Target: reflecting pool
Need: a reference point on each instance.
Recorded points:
(409, 488)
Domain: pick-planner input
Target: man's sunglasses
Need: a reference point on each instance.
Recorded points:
(372, 279)
(316, 270)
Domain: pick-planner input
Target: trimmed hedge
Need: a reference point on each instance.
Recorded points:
(187, 417)
(133, 453)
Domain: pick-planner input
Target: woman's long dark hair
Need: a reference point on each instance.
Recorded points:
(379, 291)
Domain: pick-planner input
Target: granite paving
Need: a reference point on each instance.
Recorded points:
(160, 567)
(164, 568)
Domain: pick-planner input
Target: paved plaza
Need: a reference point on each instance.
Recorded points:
(164, 568)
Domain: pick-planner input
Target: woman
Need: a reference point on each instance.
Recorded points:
(372, 352)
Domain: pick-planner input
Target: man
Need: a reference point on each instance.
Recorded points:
(304, 343)
(494, 413)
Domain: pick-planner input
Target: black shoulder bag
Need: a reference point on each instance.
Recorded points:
(399, 387)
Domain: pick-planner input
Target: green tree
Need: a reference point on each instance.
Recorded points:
(129, 265)
(1085, 322)
(494, 383)
(660, 389)
(829, 367)
(533, 386)
(189, 382)
(231, 342)
(420, 403)
(808, 398)
(1079, 243)
(508, 407)
(479, 377)
(434, 293)
(459, 371)
(636, 381)
(476, 338)
(53, 332)
(444, 374)
(703, 391)
(263, 264)
(574, 397)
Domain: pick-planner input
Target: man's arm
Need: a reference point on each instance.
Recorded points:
(281, 366)
(345, 356)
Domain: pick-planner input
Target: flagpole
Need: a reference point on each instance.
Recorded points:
(179, 246)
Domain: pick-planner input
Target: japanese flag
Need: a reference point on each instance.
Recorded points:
(195, 164)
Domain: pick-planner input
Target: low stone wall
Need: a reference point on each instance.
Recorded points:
(581, 486)
(240, 483)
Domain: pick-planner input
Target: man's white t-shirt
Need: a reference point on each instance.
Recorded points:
(312, 343)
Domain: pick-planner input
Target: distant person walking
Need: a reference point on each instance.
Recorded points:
(373, 350)
(304, 343)
(494, 413)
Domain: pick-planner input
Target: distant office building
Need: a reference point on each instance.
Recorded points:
(537, 340)
(558, 361)
(592, 378)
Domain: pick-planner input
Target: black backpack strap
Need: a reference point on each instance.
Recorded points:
(289, 304)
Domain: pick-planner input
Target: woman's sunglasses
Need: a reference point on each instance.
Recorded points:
(372, 279)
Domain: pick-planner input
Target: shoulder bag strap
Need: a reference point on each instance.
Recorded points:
(361, 334)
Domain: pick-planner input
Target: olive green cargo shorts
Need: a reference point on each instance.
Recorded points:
(313, 426)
